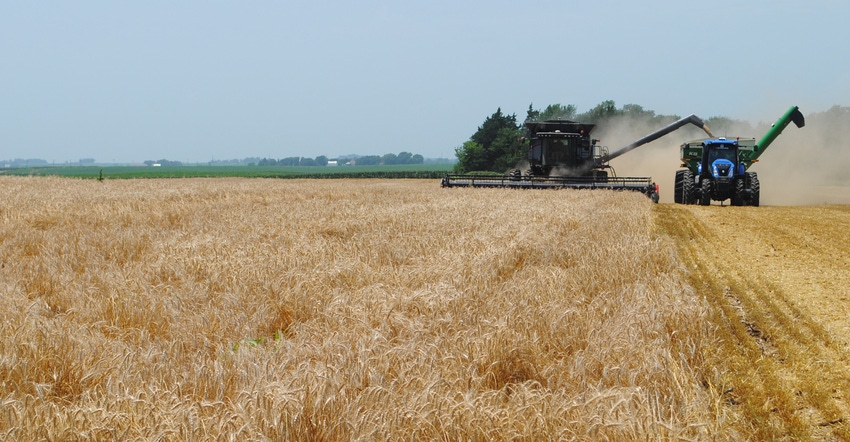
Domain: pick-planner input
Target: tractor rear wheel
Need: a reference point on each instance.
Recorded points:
(755, 188)
(688, 187)
(678, 191)
(705, 194)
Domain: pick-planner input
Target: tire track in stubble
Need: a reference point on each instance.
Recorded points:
(782, 374)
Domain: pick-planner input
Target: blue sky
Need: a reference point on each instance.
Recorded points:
(200, 80)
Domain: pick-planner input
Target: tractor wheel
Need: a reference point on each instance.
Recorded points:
(678, 189)
(688, 187)
(755, 189)
(705, 195)
(738, 196)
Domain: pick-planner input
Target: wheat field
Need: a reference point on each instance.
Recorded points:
(330, 310)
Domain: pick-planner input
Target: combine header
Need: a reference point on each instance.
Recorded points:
(716, 169)
(563, 155)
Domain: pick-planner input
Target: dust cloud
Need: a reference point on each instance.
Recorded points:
(803, 166)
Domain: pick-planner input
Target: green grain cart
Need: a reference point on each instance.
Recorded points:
(716, 168)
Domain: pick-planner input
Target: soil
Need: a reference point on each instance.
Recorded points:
(779, 276)
(804, 251)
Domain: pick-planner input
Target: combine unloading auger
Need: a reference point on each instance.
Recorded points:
(562, 145)
(690, 119)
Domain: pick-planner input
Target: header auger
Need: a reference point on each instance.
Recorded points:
(716, 169)
(562, 154)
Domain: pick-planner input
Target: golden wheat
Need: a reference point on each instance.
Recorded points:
(251, 309)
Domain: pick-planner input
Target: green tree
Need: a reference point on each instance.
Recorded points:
(531, 114)
(557, 111)
(489, 130)
(404, 157)
(603, 111)
(368, 160)
(495, 146)
(321, 160)
(389, 158)
(507, 149)
(637, 112)
(470, 157)
(724, 125)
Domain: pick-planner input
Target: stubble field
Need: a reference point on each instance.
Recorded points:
(250, 309)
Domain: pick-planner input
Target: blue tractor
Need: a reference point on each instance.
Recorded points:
(717, 168)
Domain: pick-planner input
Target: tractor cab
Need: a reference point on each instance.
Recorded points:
(720, 160)
(716, 168)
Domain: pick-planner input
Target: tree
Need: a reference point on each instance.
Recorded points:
(321, 160)
(470, 157)
(389, 158)
(489, 130)
(368, 160)
(725, 125)
(637, 112)
(557, 111)
(603, 111)
(493, 147)
(507, 149)
(404, 157)
(531, 114)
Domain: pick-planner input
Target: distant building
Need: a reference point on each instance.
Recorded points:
(332, 163)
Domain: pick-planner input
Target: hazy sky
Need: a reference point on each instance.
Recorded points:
(129, 81)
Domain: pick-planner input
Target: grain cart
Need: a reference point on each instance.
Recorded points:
(562, 154)
(717, 168)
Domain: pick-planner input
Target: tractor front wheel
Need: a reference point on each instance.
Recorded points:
(738, 196)
(705, 192)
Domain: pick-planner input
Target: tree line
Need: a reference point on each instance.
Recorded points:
(368, 160)
(320, 160)
(163, 162)
(498, 144)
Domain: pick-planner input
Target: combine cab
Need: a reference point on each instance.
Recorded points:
(716, 169)
(562, 154)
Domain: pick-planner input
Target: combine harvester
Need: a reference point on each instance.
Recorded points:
(717, 168)
(563, 155)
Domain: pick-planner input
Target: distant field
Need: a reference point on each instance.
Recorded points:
(116, 172)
